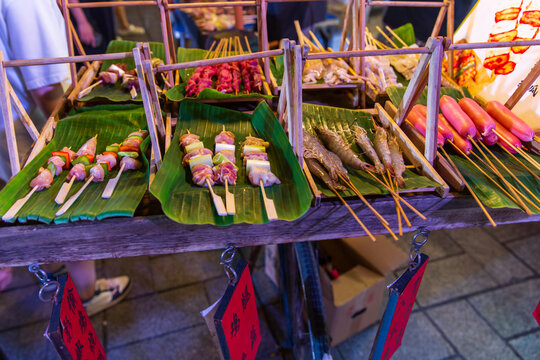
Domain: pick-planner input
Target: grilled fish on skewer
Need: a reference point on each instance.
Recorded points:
(380, 143)
(314, 149)
(336, 144)
(362, 139)
(397, 161)
(319, 171)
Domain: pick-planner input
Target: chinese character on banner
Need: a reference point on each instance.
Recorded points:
(70, 329)
(400, 303)
(236, 319)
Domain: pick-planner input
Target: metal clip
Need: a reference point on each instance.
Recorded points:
(227, 257)
(49, 288)
(416, 245)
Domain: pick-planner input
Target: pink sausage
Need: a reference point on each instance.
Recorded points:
(490, 138)
(508, 136)
(442, 127)
(462, 143)
(457, 117)
(510, 121)
(419, 122)
(483, 121)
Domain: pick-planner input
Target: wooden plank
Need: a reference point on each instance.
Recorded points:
(288, 83)
(165, 37)
(123, 237)
(346, 21)
(438, 23)
(22, 114)
(411, 152)
(69, 37)
(154, 97)
(415, 85)
(441, 165)
(68, 59)
(433, 96)
(450, 36)
(346, 54)
(9, 126)
(297, 104)
(523, 86)
(406, 3)
(85, 81)
(148, 108)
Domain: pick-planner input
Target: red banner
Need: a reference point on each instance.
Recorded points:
(237, 321)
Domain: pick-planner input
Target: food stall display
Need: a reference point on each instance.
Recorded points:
(111, 125)
(182, 193)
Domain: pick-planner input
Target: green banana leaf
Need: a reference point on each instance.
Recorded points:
(484, 188)
(405, 33)
(184, 202)
(342, 121)
(116, 93)
(111, 124)
(177, 93)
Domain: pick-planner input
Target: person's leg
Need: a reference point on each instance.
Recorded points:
(83, 274)
(120, 12)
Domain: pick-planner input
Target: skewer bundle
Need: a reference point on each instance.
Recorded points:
(473, 130)
(228, 78)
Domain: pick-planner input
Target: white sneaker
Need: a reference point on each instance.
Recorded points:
(109, 292)
(132, 30)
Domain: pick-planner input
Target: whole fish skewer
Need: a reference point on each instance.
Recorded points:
(318, 170)
(314, 149)
(336, 144)
(362, 139)
(380, 142)
(397, 161)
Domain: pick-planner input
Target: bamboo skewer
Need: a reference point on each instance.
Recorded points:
(17, 205)
(383, 221)
(536, 138)
(218, 201)
(268, 204)
(520, 151)
(111, 185)
(64, 190)
(386, 37)
(73, 198)
(390, 183)
(511, 174)
(469, 188)
(484, 173)
(229, 200)
(399, 197)
(520, 162)
(364, 200)
(86, 91)
(368, 233)
(399, 210)
(393, 33)
(518, 195)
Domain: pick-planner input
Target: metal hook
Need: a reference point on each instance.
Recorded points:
(47, 285)
(227, 257)
(416, 246)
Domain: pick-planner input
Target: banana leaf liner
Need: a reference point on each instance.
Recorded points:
(177, 93)
(485, 189)
(184, 202)
(342, 121)
(116, 93)
(112, 123)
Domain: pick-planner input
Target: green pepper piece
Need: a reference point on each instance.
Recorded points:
(113, 148)
(105, 167)
(135, 137)
(131, 154)
(81, 159)
(52, 168)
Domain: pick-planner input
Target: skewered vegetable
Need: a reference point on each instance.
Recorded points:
(258, 170)
(224, 169)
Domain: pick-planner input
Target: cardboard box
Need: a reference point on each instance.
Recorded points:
(353, 301)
